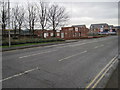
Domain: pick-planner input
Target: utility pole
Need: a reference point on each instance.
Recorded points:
(9, 22)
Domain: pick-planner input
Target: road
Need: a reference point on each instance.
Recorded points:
(69, 65)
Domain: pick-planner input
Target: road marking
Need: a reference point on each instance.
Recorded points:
(19, 74)
(37, 54)
(103, 74)
(98, 75)
(54, 50)
(57, 47)
(99, 46)
(77, 44)
(72, 56)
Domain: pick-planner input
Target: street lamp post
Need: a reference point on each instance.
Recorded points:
(9, 22)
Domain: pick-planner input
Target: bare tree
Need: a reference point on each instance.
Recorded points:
(14, 19)
(57, 16)
(20, 17)
(4, 16)
(42, 14)
(32, 14)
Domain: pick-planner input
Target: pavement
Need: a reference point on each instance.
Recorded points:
(81, 64)
(113, 80)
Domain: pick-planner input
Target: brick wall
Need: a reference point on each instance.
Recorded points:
(47, 33)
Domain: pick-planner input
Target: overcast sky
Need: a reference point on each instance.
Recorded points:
(84, 12)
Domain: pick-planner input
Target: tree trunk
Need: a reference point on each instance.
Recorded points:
(54, 33)
(33, 28)
(19, 31)
(42, 31)
(54, 28)
(15, 32)
(32, 32)
(3, 30)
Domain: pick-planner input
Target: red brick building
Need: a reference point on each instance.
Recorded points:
(73, 32)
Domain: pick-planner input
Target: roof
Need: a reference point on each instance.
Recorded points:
(78, 25)
(117, 26)
(110, 25)
(99, 25)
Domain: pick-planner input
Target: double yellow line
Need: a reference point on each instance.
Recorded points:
(101, 74)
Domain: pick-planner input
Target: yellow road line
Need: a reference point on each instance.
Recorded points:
(88, 86)
(103, 75)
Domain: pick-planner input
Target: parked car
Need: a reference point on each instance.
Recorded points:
(112, 33)
(103, 33)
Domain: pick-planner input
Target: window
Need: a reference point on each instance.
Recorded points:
(58, 34)
(62, 35)
(76, 28)
(51, 34)
(70, 29)
(46, 34)
(76, 34)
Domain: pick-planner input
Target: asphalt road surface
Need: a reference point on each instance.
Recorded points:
(69, 65)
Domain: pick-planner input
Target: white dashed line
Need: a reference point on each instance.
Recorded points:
(37, 54)
(98, 46)
(72, 56)
(61, 47)
(19, 74)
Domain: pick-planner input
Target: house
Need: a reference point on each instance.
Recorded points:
(117, 29)
(74, 32)
(83, 30)
(95, 28)
(25, 32)
(68, 33)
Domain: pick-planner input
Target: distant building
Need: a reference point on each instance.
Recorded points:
(117, 29)
(25, 32)
(95, 28)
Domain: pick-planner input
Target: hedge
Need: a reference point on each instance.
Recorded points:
(34, 40)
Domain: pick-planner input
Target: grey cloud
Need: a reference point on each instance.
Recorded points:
(92, 12)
